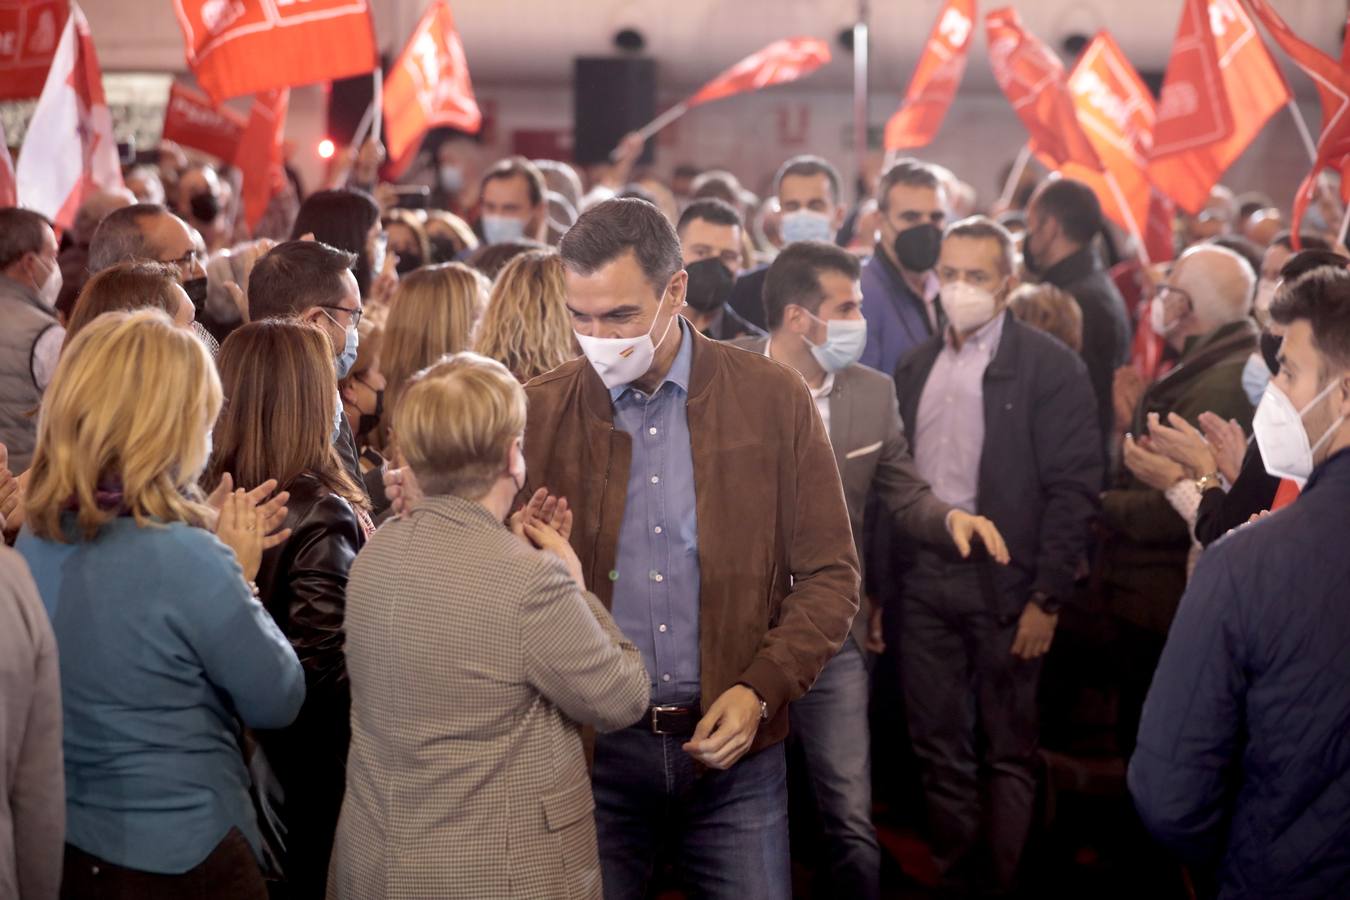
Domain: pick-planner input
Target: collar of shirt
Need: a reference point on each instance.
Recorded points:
(984, 340)
(679, 370)
(826, 387)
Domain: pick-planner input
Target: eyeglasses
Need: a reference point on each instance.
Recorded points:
(354, 313)
(186, 262)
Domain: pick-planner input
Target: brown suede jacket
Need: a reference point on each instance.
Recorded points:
(779, 574)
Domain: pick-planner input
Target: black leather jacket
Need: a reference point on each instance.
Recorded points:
(303, 584)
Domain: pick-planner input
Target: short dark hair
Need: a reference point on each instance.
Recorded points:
(295, 276)
(490, 259)
(608, 230)
(120, 237)
(794, 277)
(514, 166)
(20, 233)
(806, 166)
(1306, 241)
(1322, 298)
(709, 209)
(985, 228)
(1073, 205)
(909, 172)
(342, 219)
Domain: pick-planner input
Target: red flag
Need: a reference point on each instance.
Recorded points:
(9, 194)
(69, 149)
(192, 120)
(1116, 111)
(249, 46)
(1158, 236)
(1333, 89)
(1033, 79)
(29, 30)
(428, 87)
(259, 156)
(1220, 90)
(935, 80)
(781, 61)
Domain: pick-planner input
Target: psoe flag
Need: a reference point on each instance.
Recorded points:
(29, 30)
(55, 171)
(936, 78)
(238, 47)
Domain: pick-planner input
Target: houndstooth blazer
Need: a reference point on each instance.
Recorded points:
(473, 661)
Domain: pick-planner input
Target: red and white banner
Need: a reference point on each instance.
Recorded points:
(9, 195)
(69, 149)
(1032, 78)
(238, 47)
(779, 62)
(1116, 111)
(29, 30)
(192, 120)
(936, 79)
(260, 155)
(1220, 90)
(428, 87)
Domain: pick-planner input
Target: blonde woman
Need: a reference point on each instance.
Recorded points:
(434, 313)
(162, 646)
(471, 681)
(526, 327)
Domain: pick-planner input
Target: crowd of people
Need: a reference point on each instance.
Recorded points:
(598, 534)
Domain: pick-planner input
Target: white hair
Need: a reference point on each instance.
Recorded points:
(1220, 283)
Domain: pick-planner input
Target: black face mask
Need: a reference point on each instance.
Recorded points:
(917, 248)
(369, 421)
(710, 285)
(408, 264)
(204, 206)
(196, 291)
(1270, 351)
(443, 249)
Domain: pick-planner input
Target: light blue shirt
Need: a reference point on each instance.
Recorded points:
(656, 588)
(162, 649)
(949, 434)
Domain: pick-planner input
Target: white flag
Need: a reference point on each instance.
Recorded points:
(69, 149)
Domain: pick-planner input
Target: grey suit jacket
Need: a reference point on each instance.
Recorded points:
(873, 455)
(474, 660)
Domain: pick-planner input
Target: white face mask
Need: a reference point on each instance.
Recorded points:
(967, 306)
(805, 225)
(1157, 317)
(620, 361)
(1282, 437)
(845, 340)
(51, 287)
(502, 229)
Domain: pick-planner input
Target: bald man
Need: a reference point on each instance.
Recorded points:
(74, 257)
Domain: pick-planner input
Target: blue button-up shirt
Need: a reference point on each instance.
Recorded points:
(656, 586)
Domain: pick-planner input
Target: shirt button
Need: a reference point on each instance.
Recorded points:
(661, 629)
(657, 529)
(656, 479)
(613, 575)
(651, 430)
(657, 577)
(666, 677)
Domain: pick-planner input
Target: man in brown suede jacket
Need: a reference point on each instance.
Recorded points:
(709, 517)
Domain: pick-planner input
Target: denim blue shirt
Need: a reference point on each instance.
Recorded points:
(656, 588)
(162, 650)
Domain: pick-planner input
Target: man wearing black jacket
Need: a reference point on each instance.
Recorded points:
(1004, 425)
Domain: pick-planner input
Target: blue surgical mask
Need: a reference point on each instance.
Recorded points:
(502, 229)
(1255, 377)
(844, 343)
(806, 225)
(347, 358)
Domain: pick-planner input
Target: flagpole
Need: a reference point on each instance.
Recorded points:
(661, 121)
(1303, 131)
(377, 102)
(1130, 223)
(860, 48)
(1015, 177)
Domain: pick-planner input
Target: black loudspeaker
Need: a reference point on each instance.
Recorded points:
(347, 102)
(612, 95)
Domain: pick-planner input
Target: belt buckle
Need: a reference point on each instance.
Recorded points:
(656, 711)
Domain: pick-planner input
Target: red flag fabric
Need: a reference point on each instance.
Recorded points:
(781, 61)
(936, 79)
(1333, 89)
(249, 46)
(1032, 78)
(9, 194)
(1221, 88)
(29, 30)
(428, 87)
(69, 149)
(192, 120)
(1117, 113)
(259, 156)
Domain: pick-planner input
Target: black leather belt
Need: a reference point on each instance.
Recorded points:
(674, 720)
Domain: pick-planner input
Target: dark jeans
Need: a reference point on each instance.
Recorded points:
(830, 724)
(725, 832)
(230, 872)
(965, 690)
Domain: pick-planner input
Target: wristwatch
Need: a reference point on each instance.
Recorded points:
(763, 704)
(1049, 605)
(1205, 482)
